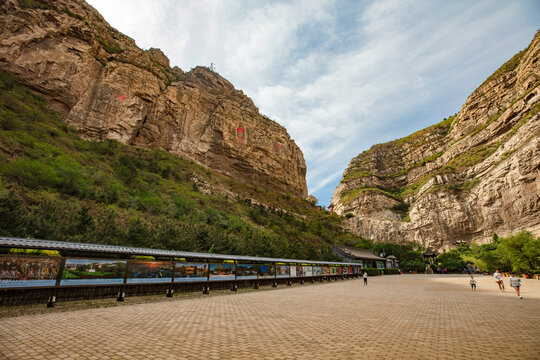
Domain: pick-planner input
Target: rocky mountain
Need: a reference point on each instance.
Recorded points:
(108, 88)
(473, 175)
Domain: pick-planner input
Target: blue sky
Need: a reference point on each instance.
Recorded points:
(341, 76)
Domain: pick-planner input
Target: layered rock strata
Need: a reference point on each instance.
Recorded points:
(108, 88)
(467, 178)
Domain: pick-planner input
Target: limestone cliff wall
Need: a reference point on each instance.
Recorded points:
(472, 175)
(108, 88)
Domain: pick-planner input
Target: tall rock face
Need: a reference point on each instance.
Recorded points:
(473, 175)
(108, 88)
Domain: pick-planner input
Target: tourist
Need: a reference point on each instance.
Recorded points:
(515, 282)
(365, 277)
(472, 281)
(498, 279)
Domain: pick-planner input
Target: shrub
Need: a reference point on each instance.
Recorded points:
(9, 121)
(182, 206)
(151, 203)
(413, 265)
(12, 215)
(32, 173)
(17, 251)
(110, 194)
(451, 260)
(390, 271)
(402, 208)
(143, 257)
(72, 180)
(372, 271)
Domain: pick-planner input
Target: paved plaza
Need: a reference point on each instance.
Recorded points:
(394, 317)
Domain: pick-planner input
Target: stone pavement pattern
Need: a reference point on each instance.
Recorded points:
(394, 317)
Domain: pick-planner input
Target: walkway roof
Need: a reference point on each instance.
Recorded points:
(124, 250)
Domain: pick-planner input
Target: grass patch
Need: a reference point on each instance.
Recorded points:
(415, 165)
(111, 49)
(418, 138)
(35, 4)
(349, 196)
(470, 157)
(163, 71)
(73, 15)
(353, 175)
(508, 66)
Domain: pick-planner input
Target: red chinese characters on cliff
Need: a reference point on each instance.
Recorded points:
(119, 97)
(241, 134)
(277, 148)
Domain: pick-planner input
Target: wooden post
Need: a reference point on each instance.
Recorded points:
(235, 285)
(206, 287)
(170, 290)
(121, 293)
(52, 299)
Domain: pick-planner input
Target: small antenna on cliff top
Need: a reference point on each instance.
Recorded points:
(213, 67)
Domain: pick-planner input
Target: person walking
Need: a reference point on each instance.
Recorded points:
(365, 277)
(498, 279)
(515, 282)
(472, 281)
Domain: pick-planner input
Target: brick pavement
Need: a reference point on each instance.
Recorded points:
(394, 317)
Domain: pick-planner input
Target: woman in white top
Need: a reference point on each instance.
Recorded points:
(515, 282)
(498, 279)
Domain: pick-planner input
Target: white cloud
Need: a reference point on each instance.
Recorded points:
(339, 75)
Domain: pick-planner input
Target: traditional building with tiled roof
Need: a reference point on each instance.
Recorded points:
(362, 256)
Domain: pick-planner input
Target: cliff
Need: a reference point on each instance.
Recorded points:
(475, 174)
(108, 88)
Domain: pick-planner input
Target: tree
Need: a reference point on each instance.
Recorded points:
(365, 244)
(451, 260)
(520, 252)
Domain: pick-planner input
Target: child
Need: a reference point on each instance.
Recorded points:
(515, 282)
(472, 281)
(498, 279)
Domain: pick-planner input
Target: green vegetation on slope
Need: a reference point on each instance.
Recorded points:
(508, 66)
(34, 4)
(54, 185)
(359, 167)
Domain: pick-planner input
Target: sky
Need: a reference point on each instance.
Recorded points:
(340, 76)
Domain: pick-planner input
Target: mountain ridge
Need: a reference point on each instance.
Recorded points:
(108, 88)
(446, 183)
